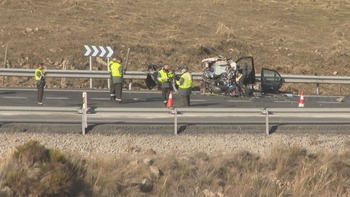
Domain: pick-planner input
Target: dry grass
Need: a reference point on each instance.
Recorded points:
(293, 36)
(286, 172)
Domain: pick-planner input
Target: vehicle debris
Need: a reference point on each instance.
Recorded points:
(237, 78)
(227, 77)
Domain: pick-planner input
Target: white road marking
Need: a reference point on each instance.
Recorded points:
(138, 99)
(57, 98)
(15, 97)
(100, 99)
(239, 101)
(328, 102)
(106, 99)
(198, 100)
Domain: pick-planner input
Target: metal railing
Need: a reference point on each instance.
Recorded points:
(141, 75)
(14, 72)
(319, 115)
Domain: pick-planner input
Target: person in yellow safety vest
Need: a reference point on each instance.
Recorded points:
(39, 75)
(165, 78)
(117, 79)
(185, 86)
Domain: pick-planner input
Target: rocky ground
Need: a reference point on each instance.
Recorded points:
(110, 141)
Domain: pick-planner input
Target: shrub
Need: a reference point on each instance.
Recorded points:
(34, 170)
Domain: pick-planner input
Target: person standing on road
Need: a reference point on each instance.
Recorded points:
(40, 73)
(185, 86)
(165, 78)
(117, 79)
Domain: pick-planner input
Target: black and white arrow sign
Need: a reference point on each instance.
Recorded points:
(101, 51)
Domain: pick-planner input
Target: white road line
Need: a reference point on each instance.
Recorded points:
(107, 99)
(15, 97)
(99, 99)
(239, 101)
(198, 100)
(328, 102)
(57, 98)
(138, 99)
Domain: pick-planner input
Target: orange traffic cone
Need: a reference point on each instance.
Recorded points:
(301, 101)
(170, 100)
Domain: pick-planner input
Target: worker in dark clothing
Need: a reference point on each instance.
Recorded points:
(185, 86)
(165, 78)
(40, 73)
(117, 79)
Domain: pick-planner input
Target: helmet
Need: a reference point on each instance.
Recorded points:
(166, 67)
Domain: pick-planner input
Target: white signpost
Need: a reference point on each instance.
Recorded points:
(100, 51)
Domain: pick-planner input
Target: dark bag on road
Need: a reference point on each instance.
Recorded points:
(150, 82)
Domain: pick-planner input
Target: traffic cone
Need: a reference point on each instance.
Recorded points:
(301, 101)
(170, 100)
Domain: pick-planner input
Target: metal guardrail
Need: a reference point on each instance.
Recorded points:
(98, 74)
(267, 113)
(15, 72)
(139, 75)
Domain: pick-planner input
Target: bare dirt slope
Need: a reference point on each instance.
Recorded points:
(308, 37)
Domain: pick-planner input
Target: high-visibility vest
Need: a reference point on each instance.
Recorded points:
(187, 81)
(115, 69)
(164, 76)
(38, 74)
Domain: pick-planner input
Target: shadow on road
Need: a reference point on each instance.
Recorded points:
(8, 92)
(203, 104)
(273, 129)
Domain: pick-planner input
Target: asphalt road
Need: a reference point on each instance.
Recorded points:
(152, 99)
(25, 99)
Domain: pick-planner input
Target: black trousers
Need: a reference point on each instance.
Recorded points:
(40, 85)
(165, 93)
(116, 91)
(185, 100)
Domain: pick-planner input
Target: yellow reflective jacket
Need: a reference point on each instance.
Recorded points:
(115, 69)
(164, 76)
(38, 74)
(185, 81)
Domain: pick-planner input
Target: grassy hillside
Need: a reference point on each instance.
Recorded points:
(293, 36)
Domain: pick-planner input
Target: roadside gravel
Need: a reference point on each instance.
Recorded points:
(111, 141)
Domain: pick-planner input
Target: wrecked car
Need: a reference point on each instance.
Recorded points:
(227, 77)
(237, 78)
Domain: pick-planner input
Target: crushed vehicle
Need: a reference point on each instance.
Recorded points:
(237, 78)
(227, 77)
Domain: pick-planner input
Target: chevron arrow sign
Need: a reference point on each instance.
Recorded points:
(101, 51)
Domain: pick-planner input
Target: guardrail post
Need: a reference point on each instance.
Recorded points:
(130, 84)
(175, 121)
(90, 63)
(267, 122)
(109, 79)
(84, 114)
(5, 58)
